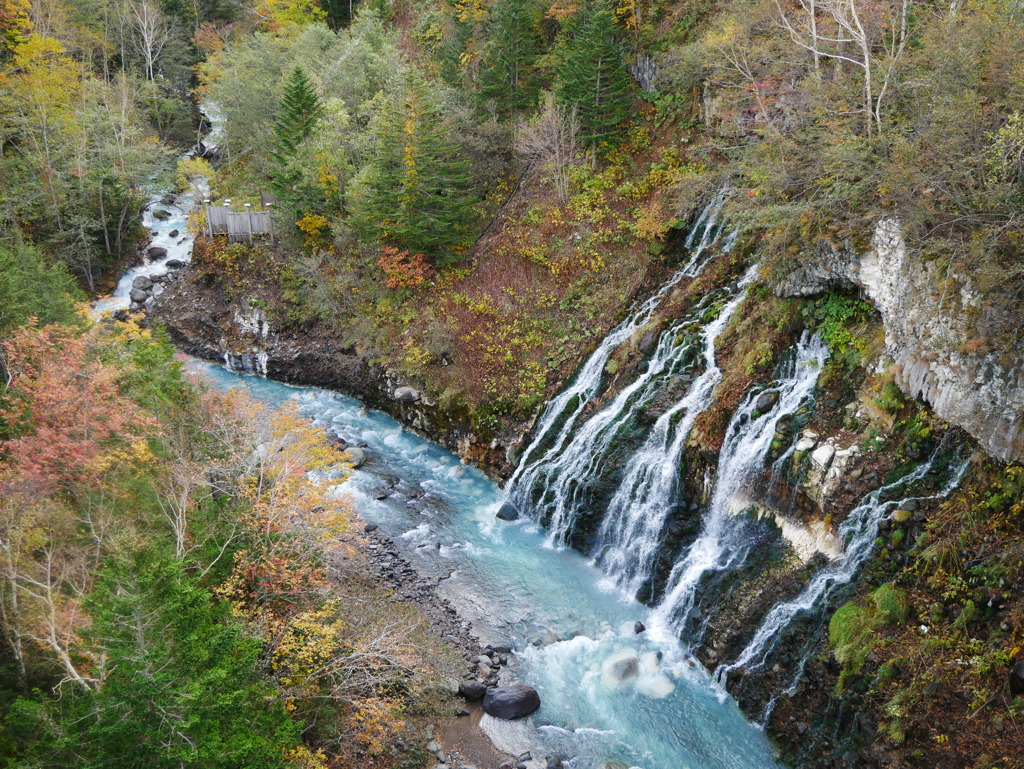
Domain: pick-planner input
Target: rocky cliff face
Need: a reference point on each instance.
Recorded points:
(936, 334)
(202, 322)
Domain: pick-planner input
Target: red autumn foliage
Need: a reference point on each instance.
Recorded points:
(63, 409)
(402, 269)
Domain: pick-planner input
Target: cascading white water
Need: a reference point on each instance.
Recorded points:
(556, 425)
(748, 438)
(566, 475)
(708, 228)
(858, 532)
(170, 233)
(629, 533)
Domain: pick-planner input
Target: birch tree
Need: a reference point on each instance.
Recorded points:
(869, 37)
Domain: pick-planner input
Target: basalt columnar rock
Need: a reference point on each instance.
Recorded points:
(938, 334)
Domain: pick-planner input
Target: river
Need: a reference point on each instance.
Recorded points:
(550, 605)
(569, 628)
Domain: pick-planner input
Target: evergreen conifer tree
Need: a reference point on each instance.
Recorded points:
(299, 109)
(592, 75)
(508, 71)
(415, 193)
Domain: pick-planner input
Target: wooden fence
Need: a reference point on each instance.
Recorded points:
(237, 225)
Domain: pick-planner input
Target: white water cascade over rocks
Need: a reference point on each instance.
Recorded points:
(558, 421)
(721, 543)
(858, 534)
(629, 534)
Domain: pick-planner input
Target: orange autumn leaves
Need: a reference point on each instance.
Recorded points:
(67, 420)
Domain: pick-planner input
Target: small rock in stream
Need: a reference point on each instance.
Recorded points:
(508, 512)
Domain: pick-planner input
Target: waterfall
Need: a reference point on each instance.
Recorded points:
(566, 476)
(708, 228)
(629, 534)
(748, 438)
(559, 418)
(858, 532)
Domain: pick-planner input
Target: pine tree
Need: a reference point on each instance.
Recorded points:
(299, 109)
(415, 193)
(508, 71)
(592, 75)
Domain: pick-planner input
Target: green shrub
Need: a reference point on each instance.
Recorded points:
(891, 603)
(849, 635)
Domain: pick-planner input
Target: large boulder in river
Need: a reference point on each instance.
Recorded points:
(157, 252)
(160, 214)
(765, 401)
(143, 283)
(174, 264)
(510, 702)
(138, 295)
(355, 455)
(621, 668)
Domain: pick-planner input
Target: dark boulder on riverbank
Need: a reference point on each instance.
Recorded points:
(510, 702)
(473, 691)
(1017, 679)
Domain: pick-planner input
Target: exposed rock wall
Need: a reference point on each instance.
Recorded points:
(933, 335)
(202, 323)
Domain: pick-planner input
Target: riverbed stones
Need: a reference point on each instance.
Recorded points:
(138, 295)
(509, 702)
(143, 283)
(639, 627)
(1017, 679)
(156, 252)
(174, 264)
(406, 395)
(355, 455)
(172, 234)
(472, 691)
(161, 215)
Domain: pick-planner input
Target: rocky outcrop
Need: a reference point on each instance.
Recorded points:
(935, 334)
(203, 323)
